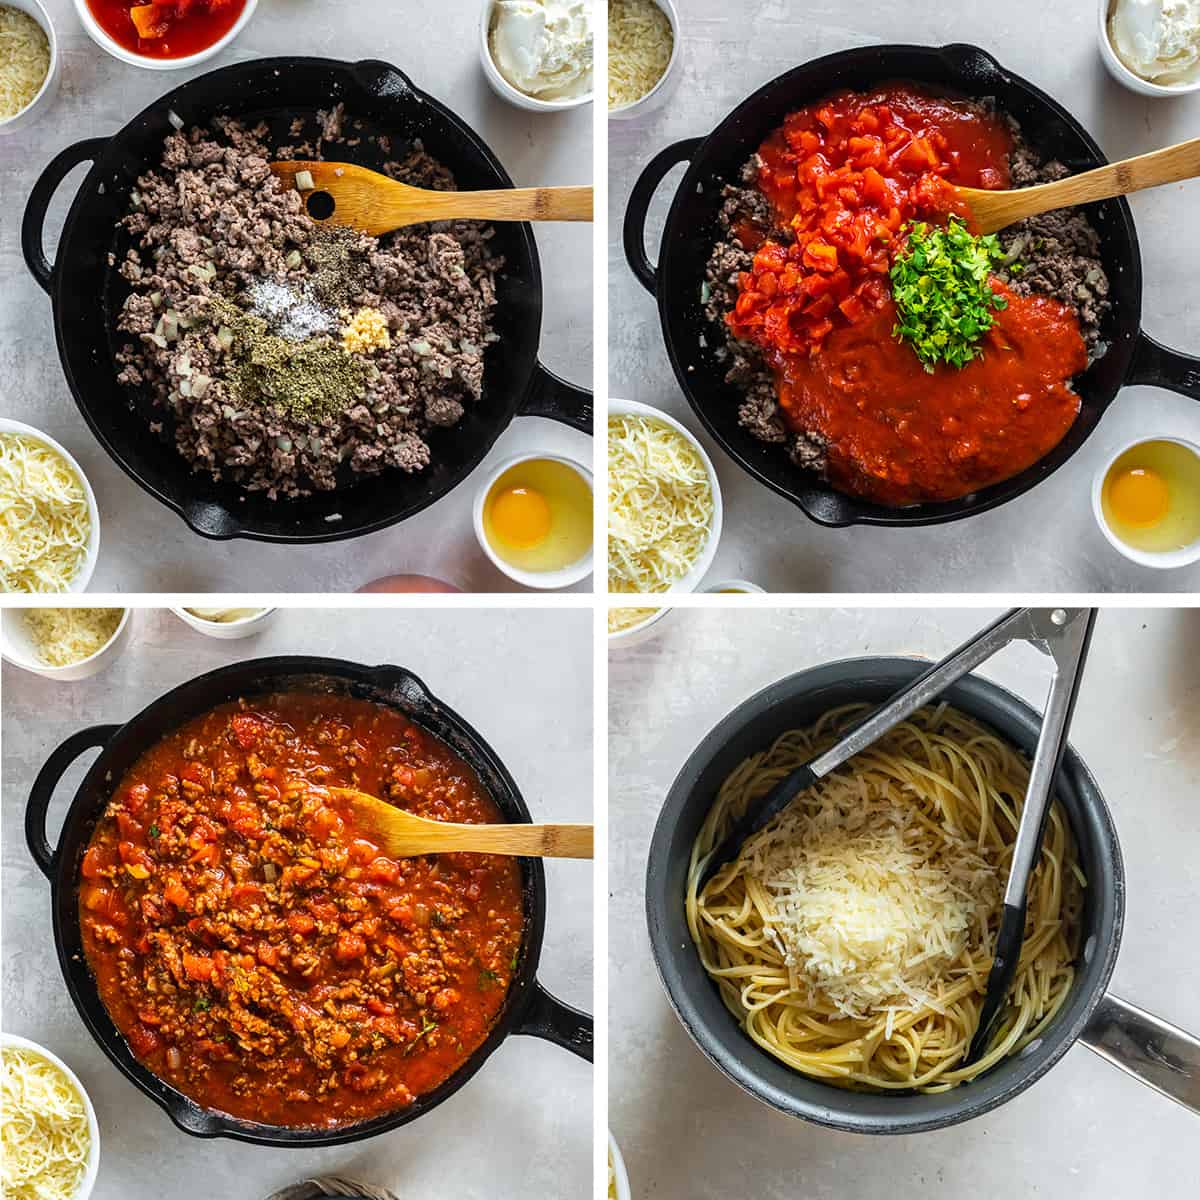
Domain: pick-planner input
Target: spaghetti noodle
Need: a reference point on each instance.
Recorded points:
(853, 936)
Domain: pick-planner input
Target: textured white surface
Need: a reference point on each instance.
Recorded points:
(145, 547)
(1047, 539)
(1085, 1130)
(523, 1124)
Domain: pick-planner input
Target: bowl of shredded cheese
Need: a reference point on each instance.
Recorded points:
(629, 627)
(49, 520)
(48, 1129)
(618, 1177)
(644, 47)
(28, 62)
(63, 643)
(664, 502)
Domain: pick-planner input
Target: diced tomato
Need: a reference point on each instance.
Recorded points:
(198, 967)
(247, 730)
(243, 895)
(300, 923)
(143, 1041)
(175, 893)
(267, 954)
(136, 798)
(93, 865)
(349, 946)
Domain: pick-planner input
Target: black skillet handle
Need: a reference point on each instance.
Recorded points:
(42, 791)
(550, 396)
(639, 205)
(34, 221)
(558, 1023)
(1158, 366)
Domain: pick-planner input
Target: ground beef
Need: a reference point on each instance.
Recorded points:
(211, 222)
(1058, 251)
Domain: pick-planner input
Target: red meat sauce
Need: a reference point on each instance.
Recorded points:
(846, 175)
(257, 950)
(166, 28)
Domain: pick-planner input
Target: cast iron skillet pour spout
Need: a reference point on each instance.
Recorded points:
(87, 294)
(1133, 357)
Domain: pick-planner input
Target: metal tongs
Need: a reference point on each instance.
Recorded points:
(1062, 633)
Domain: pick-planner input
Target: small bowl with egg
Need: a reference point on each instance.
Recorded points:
(618, 1177)
(537, 54)
(66, 644)
(52, 508)
(1146, 500)
(28, 34)
(629, 627)
(1149, 50)
(226, 622)
(533, 519)
(645, 47)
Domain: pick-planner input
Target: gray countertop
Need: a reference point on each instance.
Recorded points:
(1044, 541)
(523, 1125)
(1084, 1130)
(145, 547)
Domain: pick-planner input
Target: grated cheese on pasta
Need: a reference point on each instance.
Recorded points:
(640, 44)
(24, 60)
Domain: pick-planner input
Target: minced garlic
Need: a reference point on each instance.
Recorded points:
(367, 330)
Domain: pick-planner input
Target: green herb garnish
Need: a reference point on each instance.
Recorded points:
(153, 831)
(202, 1005)
(487, 979)
(944, 297)
(439, 918)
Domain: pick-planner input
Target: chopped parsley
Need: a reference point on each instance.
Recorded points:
(944, 297)
(202, 1005)
(487, 979)
(153, 831)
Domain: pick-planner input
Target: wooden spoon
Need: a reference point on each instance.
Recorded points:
(991, 211)
(375, 204)
(402, 835)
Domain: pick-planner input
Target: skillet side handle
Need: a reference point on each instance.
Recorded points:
(1156, 1053)
(639, 205)
(558, 1023)
(1158, 366)
(553, 397)
(34, 222)
(42, 791)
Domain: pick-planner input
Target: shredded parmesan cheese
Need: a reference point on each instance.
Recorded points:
(660, 505)
(621, 619)
(62, 636)
(43, 1130)
(44, 519)
(24, 60)
(871, 905)
(640, 44)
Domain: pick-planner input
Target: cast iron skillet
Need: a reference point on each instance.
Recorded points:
(87, 294)
(528, 1008)
(691, 230)
(1163, 1057)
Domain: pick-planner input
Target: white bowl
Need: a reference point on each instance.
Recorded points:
(692, 580)
(622, 1176)
(93, 1163)
(50, 84)
(97, 34)
(17, 647)
(228, 630)
(80, 582)
(1122, 74)
(659, 93)
(542, 580)
(1162, 559)
(626, 639)
(734, 585)
(504, 89)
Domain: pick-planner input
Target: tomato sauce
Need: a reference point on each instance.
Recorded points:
(176, 28)
(258, 951)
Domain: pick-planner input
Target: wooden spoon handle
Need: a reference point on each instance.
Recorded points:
(536, 841)
(511, 204)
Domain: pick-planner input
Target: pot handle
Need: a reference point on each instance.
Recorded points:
(42, 791)
(553, 397)
(1153, 1051)
(557, 1022)
(1158, 366)
(639, 206)
(34, 221)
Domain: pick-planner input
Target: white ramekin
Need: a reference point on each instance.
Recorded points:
(1123, 75)
(692, 580)
(660, 92)
(1161, 559)
(626, 639)
(97, 34)
(93, 1163)
(80, 582)
(542, 580)
(228, 630)
(17, 648)
(619, 1172)
(733, 585)
(503, 88)
(49, 87)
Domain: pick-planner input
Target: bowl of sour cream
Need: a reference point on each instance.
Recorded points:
(537, 54)
(1152, 46)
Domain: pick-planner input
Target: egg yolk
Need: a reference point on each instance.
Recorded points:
(521, 516)
(1139, 496)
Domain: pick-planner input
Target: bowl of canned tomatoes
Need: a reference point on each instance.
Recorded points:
(164, 35)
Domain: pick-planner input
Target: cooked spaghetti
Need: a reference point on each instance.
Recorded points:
(853, 936)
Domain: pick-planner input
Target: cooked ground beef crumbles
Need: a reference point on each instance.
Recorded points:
(239, 304)
(1059, 254)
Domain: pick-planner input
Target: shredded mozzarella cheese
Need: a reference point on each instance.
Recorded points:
(62, 636)
(24, 60)
(640, 44)
(621, 619)
(660, 505)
